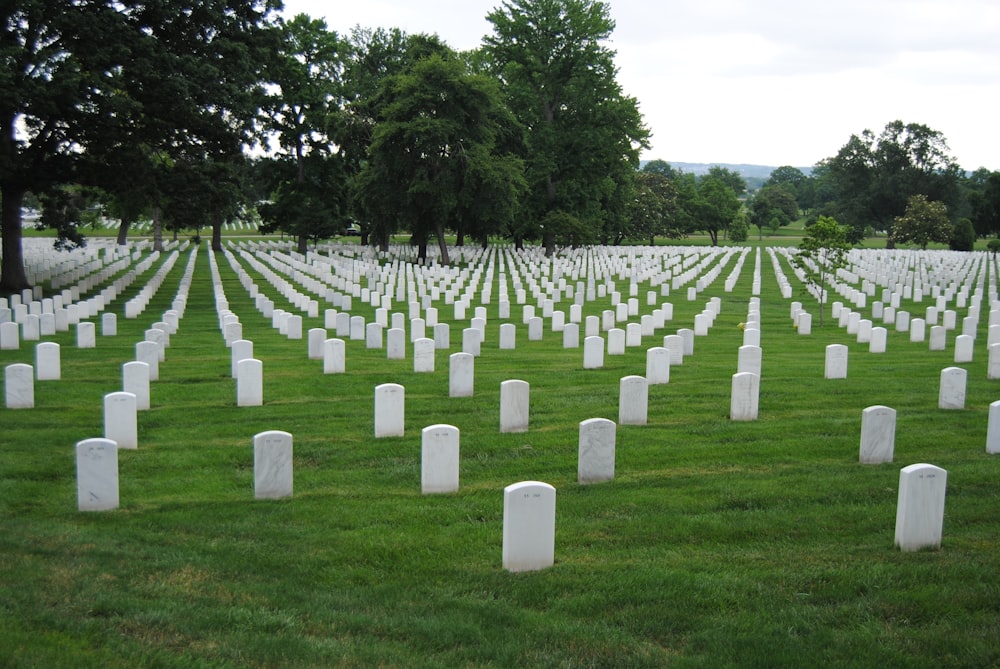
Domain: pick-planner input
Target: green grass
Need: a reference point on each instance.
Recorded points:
(718, 544)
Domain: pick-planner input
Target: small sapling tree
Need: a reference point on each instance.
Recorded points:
(822, 252)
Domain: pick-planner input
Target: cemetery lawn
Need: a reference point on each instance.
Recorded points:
(718, 543)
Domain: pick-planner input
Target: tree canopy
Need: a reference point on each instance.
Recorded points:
(582, 134)
(875, 175)
(434, 154)
(119, 83)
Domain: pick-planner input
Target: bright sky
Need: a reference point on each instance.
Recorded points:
(769, 82)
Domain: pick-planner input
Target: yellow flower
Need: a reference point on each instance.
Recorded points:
(742, 326)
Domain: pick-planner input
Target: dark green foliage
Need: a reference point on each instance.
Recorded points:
(582, 134)
(773, 203)
(101, 89)
(874, 176)
(963, 237)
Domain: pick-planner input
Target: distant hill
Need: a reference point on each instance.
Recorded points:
(746, 171)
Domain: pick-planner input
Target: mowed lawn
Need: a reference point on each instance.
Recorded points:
(718, 543)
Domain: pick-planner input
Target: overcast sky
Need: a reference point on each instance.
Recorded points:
(770, 82)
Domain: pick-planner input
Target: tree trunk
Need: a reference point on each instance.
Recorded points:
(123, 227)
(302, 244)
(217, 234)
(442, 245)
(549, 240)
(12, 276)
(460, 237)
(519, 243)
(714, 235)
(157, 230)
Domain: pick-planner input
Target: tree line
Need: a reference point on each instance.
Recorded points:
(193, 114)
(902, 184)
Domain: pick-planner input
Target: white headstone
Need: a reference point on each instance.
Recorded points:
(135, 380)
(334, 356)
(687, 336)
(241, 349)
(952, 390)
(804, 326)
(508, 336)
(96, 475)
(396, 344)
(357, 330)
(373, 335)
(31, 328)
(836, 362)
(461, 375)
(315, 338)
(294, 326)
(878, 342)
(249, 383)
(675, 344)
(442, 336)
(633, 400)
(272, 465)
(48, 365)
(423, 355)
(149, 353)
(745, 397)
(964, 345)
(19, 386)
(390, 410)
(535, 329)
(121, 423)
(514, 405)
(749, 359)
(472, 340)
(593, 352)
(109, 324)
(439, 459)
(920, 507)
(86, 335)
(616, 341)
(571, 335)
(993, 428)
(938, 338)
(878, 435)
(596, 451)
(657, 366)
(529, 526)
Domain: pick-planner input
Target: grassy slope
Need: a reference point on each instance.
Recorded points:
(718, 543)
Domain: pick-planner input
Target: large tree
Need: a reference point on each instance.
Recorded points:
(714, 206)
(434, 154)
(772, 207)
(874, 176)
(84, 83)
(370, 56)
(308, 200)
(655, 208)
(582, 134)
(983, 193)
(796, 182)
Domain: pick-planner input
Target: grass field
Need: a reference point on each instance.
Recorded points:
(718, 544)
